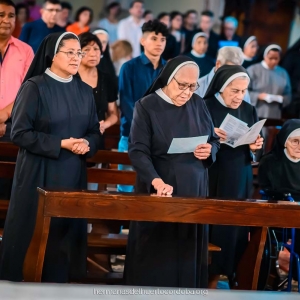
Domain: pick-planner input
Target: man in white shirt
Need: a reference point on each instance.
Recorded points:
(130, 28)
(228, 55)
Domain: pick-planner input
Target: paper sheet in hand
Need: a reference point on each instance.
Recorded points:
(238, 133)
(186, 145)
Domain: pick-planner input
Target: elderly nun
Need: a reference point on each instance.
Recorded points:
(279, 170)
(165, 254)
(270, 87)
(231, 175)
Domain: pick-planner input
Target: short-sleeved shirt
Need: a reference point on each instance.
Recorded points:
(13, 68)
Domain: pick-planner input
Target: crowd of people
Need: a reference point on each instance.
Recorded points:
(173, 77)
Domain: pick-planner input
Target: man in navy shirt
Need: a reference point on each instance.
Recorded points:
(137, 75)
(34, 32)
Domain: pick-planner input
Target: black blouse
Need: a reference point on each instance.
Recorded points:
(105, 92)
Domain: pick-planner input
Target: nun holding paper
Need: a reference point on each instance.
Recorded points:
(270, 87)
(170, 254)
(231, 174)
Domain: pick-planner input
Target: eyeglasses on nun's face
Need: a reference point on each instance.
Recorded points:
(294, 142)
(183, 86)
(72, 54)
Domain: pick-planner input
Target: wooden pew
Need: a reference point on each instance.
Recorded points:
(104, 240)
(112, 137)
(115, 206)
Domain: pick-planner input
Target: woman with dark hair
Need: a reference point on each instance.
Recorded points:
(176, 20)
(148, 16)
(83, 18)
(270, 87)
(171, 46)
(105, 93)
(55, 124)
(111, 22)
(22, 17)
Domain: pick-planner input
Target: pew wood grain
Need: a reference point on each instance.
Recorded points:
(95, 205)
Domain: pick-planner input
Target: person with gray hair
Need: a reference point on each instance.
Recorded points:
(228, 34)
(229, 55)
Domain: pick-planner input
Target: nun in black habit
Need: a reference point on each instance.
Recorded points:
(231, 175)
(249, 46)
(279, 170)
(55, 124)
(168, 254)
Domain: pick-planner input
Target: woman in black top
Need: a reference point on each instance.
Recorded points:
(105, 92)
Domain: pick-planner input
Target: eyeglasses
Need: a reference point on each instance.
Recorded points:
(52, 10)
(183, 86)
(294, 142)
(71, 54)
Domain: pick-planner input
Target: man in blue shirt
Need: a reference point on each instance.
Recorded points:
(136, 76)
(34, 32)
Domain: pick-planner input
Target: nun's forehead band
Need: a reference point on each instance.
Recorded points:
(60, 38)
(232, 77)
(180, 66)
(269, 48)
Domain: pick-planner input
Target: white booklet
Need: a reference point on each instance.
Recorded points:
(186, 145)
(238, 133)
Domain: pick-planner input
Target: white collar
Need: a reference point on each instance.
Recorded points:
(295, 160)
(220, 99)
(264, 64)
(197, 55)
(162, 95)
(247, 57)
(58, 78)
(142, 21)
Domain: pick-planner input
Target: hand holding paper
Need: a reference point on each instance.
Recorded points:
(238, 133)
(186, 145)
(203, 151)
(257, 145)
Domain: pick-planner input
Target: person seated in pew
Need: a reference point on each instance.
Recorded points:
(270, 86)
(231, 174)
(165, 254)
(198, 53)
(55, 124)
(105, 93)
(279, 170)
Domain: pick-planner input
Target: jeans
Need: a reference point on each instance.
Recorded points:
(123, 147)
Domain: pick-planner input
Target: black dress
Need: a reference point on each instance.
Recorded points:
(105, 92)
(247, 63)
(205, 63)
(230, 177)
(45, 112)
(280, 175)
(168, 254)
(171, 49)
